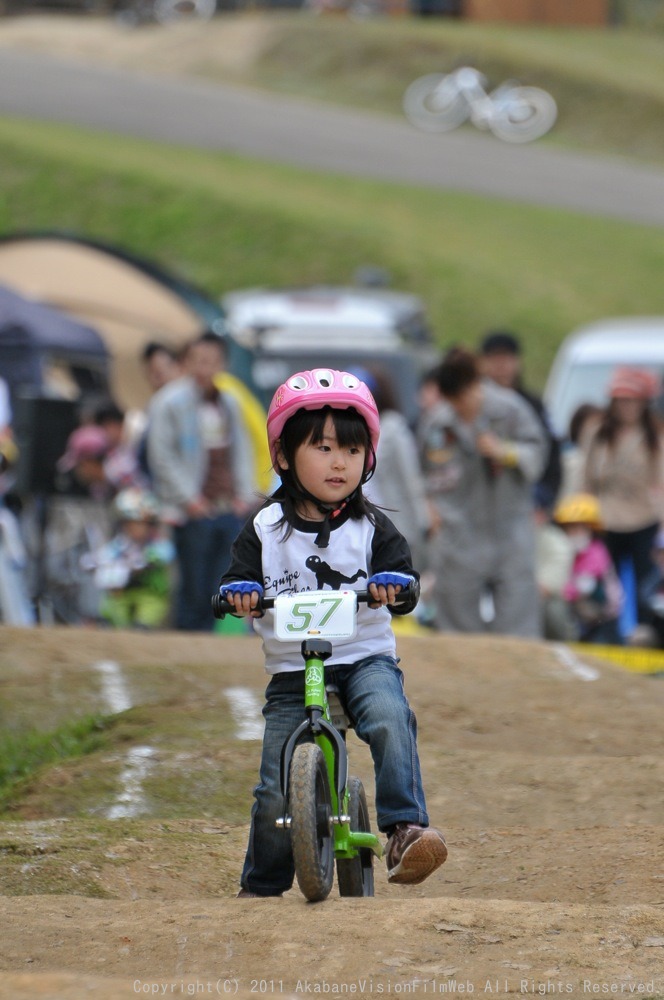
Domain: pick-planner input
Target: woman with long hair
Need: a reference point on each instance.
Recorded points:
(624, 469)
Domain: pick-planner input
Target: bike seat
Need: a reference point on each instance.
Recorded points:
(338, 716)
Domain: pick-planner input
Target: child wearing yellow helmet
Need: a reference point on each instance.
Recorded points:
(593, 591)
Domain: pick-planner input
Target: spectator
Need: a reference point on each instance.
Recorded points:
(5, 406)
(78, 524)
(160, 364)
(201, 463)
(398, 484)
(429, 394)
(482, 449)
(583, 422)
(132, 570)
(121, 465)
(80, 471)
(593, 591)
(501, 361)
(652, 591)
(15, 607)
(624, 469)
(554, 557)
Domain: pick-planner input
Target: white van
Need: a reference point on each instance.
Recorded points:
(586, 360)
(292, 329)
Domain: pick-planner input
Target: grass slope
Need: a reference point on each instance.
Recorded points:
(609, 84)
(225, 222)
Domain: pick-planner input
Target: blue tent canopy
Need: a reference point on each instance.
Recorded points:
(33, 335)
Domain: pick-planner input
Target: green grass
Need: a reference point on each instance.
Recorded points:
(23, 755)
(609, 84)
(227, 222)
(198, 768)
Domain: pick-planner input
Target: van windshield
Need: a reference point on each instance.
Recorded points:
(587, 383)
(399, 367)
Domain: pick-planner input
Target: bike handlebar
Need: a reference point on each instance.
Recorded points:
(221, 608)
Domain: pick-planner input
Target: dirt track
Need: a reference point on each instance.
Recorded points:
(548, 787)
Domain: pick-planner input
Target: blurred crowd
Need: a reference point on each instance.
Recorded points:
(514, 531)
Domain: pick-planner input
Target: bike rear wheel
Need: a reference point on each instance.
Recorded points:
(355, 875)
(312, 836)
(528, 114)
(433, 103)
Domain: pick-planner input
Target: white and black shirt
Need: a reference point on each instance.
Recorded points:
(290, 564)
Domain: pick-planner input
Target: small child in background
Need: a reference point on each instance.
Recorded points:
(132, 570)
(121, 465)
(554, 558)
(593, 590)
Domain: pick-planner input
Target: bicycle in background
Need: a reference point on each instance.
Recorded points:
(441, 102)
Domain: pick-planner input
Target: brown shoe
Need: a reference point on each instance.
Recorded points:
(413, 853)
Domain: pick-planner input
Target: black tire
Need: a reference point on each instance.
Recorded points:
(311, 822)
(355, 875)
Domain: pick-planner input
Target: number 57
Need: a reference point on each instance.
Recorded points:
(305, 611)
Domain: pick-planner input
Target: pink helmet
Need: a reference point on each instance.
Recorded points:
(313, 390)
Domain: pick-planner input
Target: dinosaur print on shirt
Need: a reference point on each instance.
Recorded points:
(325, 574)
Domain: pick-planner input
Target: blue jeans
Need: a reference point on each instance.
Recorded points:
(372, 691)
(203, 549)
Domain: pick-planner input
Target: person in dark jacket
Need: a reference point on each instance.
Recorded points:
(501, 360)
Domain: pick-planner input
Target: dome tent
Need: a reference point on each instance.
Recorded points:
(128, 299)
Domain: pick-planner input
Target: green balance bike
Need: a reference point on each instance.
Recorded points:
(325, 810)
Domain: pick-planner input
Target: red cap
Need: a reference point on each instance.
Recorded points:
(634, 383)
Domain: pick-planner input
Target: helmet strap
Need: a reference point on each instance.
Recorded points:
(296, 492)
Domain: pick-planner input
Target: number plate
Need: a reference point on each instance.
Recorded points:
(325, 614)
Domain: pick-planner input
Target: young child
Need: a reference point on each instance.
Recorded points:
(319, 530)
(132, 570)
(554, 557)
(593, 590)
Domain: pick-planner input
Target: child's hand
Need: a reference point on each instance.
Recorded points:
(383, 594)
(245, 604)
(384, 587)
(244, 595)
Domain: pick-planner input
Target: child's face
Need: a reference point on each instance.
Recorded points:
(139, 531)
(89, 471)
(468, 404)
(328, 471)
(580, 536)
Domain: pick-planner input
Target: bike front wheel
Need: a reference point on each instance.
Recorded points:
(434, 103)
(526, 114)
(312, 836)
(356, 875)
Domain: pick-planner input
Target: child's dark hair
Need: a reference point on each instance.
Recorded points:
(457, 372)
(309, 425)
